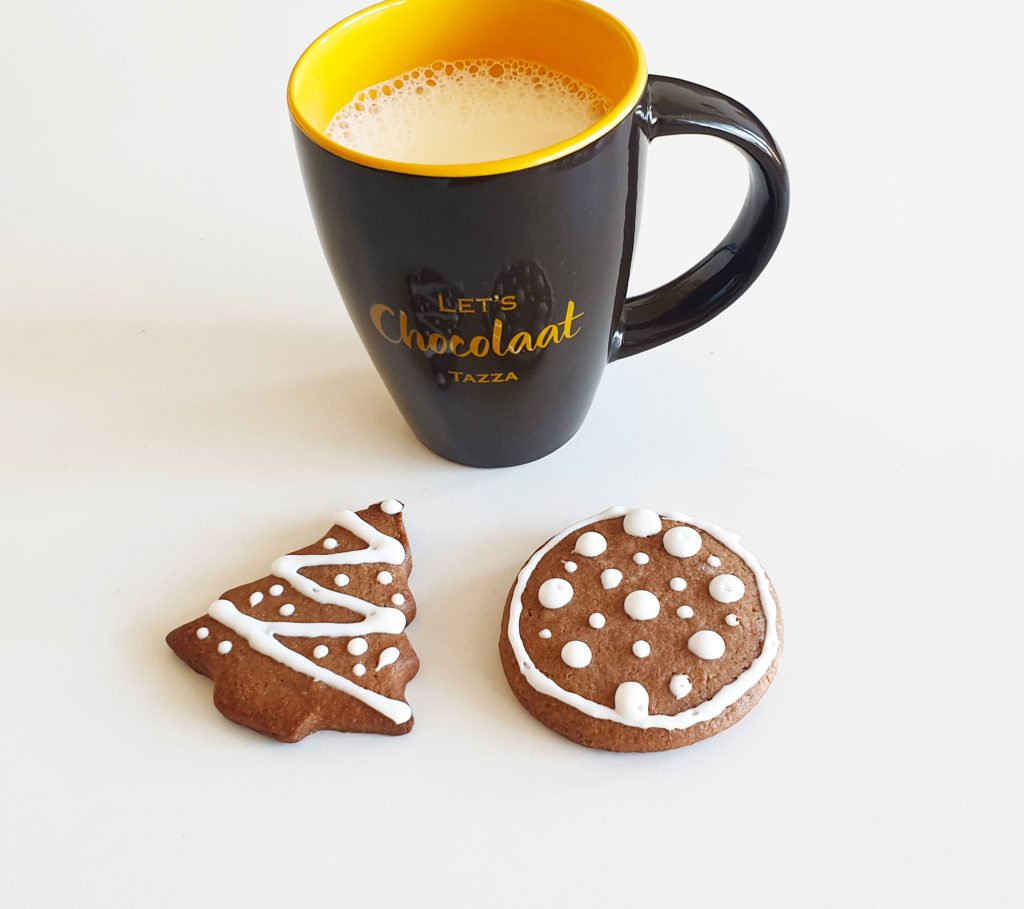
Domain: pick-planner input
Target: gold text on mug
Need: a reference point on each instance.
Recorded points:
(477, 304)
(383, 318)
(481, 378)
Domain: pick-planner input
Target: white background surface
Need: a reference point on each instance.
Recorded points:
(184, 398)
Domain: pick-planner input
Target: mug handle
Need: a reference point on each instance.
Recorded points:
(673, 107)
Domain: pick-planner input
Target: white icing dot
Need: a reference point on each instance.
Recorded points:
(388, 656)
(611, 578)
(632, 700)
(596, 620)
(641, 558)
(641, 522)
(685, 612)
(359, 669)
(224, 647)
(555, 593)
(682, 542)
(358, 646)
(385, 577)
(256, 599)
(202, 633)
(732, 619)
(677, 584)
(641, 649)
(708, 645)
(341, 580)
(398, 600)
(642, 605)
(714, 561)
(576, 655)
(545, 633)
(570, 566)
(330, 543)
(320, 651)
(591, 544)
(726, 588)
(287, 609)
(276, 590)
(391, 506)
(680, 686)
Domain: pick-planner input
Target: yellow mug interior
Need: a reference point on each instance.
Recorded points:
(398, 35)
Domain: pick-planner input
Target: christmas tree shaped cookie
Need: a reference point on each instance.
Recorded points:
(320, 642)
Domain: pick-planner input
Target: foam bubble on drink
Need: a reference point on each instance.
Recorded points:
(467, 111)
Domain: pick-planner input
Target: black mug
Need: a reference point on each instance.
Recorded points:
(491, 296)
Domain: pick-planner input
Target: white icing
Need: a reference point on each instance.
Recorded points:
(641, 522)
(642, 605)
(611, 578)
(591, 544)
(276, 590)
(341, 580)
(202, 633)
(224, 647)
(391, 506)
(678, 584)
(570, 567)
(682, 542)
(680, 686)
(726, 588)
(707, 645)
(398, 599)
(320, 651)
(358, 646)
(732, 619)
(385, 577)
(576, 655)
(256, 599)
(628, 709)
(388, 656)
(714, 561)
(555, 593)
(632, 702)
(685, 612)
(545, 633)
(359, 669)
(596, 620)
(330, 543)
(263, 636)
(641, 558)
(641, 649)
(287, 609)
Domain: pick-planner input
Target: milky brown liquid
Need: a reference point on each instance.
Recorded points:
(467, 111)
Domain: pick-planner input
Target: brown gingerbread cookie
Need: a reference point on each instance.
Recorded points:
(638, 631)
(320, 642)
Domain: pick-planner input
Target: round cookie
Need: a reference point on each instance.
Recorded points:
(639, 631)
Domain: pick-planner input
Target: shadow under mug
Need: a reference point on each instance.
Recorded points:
(491, 296)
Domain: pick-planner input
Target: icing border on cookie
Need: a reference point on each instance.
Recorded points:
(262, 636)
(724, 698)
